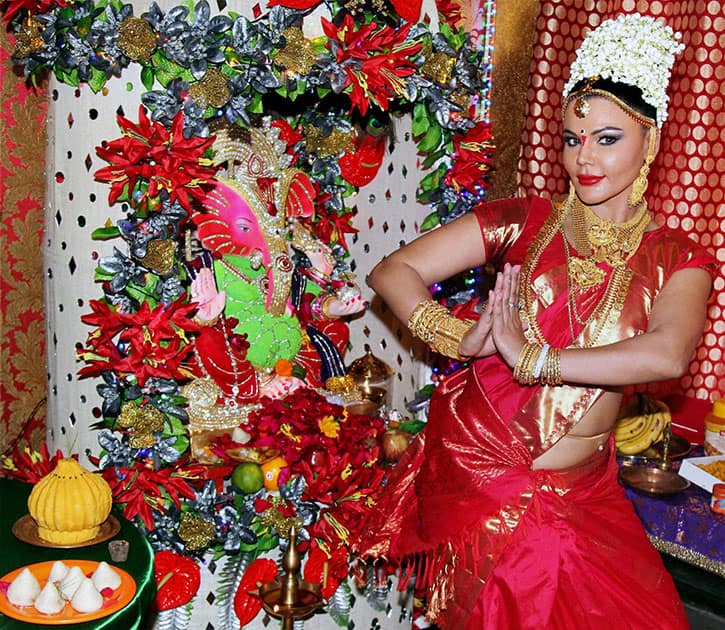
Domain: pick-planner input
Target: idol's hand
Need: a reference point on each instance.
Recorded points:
(478, 341)
(280, 386)
(204, 292)
(341, 308)
(503, 301)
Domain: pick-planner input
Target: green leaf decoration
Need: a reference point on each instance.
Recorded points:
(98, 80)
(105, 233)
(431, 221)
(431, 139)
(147, 77)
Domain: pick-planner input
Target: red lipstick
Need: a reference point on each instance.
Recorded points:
(589, 180)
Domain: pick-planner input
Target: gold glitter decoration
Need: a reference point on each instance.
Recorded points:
(462, 99)
(298, 54)
(272, 517)
(690, 556)
(196, 532)
(160, 256)
(328, 146)
(28, 39)
(136, 39)
(212, 90)
(143, 421)
(439, 67)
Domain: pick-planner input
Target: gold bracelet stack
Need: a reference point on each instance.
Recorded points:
(538, 364)
(433, 323)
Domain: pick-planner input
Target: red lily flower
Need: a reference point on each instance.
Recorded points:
(31, 467)
(473, 156)
(155, 158)
(155, 341)
(140, 488)
(376, 60)
(331, 227)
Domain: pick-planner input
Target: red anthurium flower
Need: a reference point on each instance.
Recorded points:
(247, 606)
(325, 569)
(157, 158)
(177, 579)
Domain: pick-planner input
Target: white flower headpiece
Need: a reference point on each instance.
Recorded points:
(632, 49)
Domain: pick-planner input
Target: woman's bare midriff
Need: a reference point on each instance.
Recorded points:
(592, 433)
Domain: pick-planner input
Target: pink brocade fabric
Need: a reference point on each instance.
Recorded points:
(497, 544)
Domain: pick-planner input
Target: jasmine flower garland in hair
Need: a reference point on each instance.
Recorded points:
(632, 49)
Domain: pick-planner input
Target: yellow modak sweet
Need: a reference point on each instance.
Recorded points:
(69, 504)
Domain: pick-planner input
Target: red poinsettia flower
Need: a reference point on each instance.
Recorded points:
(376, 60)
(449, 11)
(154, 341)
(149, 158)
(473, 156)
(32, 7)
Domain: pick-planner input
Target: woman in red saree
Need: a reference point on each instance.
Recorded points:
(507, 505)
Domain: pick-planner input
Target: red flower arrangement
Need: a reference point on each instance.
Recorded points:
(473, 157)
(154, 341)
(149, 158)
(378, 60)
(31, 467)
(139, 487)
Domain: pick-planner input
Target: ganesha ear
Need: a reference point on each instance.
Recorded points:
(297, 193)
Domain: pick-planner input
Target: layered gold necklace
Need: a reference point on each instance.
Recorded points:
(600, 241)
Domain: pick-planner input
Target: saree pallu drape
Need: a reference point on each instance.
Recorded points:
(497, 544)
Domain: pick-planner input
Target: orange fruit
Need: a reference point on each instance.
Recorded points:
(248, 477)
(271, 469)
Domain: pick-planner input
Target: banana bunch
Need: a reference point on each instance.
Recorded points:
(640, 424)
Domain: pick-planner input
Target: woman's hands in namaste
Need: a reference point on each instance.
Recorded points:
(499, 329)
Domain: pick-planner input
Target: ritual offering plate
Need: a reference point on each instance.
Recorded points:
(26, 529)
(113, 600)
(651, 481)
(679, 447)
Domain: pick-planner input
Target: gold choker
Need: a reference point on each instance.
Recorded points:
(601, 241)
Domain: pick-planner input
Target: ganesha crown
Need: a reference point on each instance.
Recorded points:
(633, 49)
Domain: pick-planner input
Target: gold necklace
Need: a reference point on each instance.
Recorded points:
(601, 241)
(605, 314)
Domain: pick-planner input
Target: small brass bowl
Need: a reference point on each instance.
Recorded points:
(653, 482)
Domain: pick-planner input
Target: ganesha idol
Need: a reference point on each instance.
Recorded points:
(268, 304)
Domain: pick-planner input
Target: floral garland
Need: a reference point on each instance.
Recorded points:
(330, 91)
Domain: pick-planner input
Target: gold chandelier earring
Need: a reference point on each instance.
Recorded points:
(639, 185)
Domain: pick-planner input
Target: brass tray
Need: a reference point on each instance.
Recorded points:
(679, 447)
(26, 529)
(651, 481)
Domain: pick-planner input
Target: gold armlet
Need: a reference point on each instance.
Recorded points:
(433, 323)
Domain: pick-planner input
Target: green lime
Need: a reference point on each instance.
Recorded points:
(248, 477)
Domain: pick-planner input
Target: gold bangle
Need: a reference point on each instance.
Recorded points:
(526, 362)
(433, 323)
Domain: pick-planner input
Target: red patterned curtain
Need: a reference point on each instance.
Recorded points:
(22, 322)
(688, 176)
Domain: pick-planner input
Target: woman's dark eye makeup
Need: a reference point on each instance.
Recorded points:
(572, 140)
